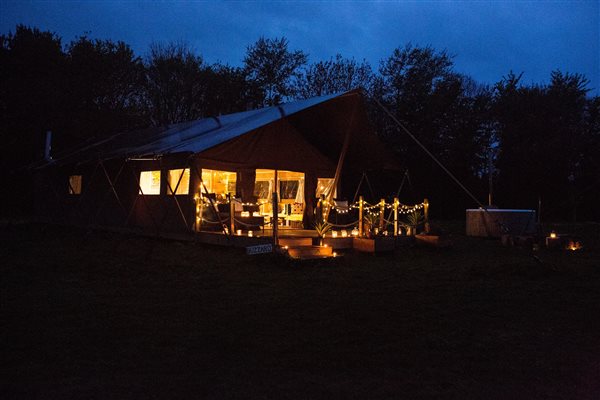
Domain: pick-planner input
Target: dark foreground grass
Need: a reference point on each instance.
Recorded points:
(98, 315)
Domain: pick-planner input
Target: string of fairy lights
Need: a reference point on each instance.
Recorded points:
(369, 210)
(340, 209)
(370, 213)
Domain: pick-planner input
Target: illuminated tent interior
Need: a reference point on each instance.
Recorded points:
(153, 178)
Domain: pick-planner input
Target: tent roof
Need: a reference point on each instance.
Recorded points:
(321, 121)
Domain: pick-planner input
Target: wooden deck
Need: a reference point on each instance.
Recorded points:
(307, 238)
(290, 237)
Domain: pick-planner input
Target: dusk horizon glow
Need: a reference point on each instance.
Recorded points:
(488, 39)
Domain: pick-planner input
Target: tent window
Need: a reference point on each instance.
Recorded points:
(150, 182)
(288, 189)
(324, 186)
(75, 184)
(262, 189)
(181, 177)
(219, 182)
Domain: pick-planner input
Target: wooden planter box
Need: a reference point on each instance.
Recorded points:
(432, 241)
(339, 243)
(379, 244)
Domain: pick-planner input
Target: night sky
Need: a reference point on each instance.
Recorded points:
(488, 38)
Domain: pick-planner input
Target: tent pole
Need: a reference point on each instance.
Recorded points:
(173, 192)
(112, 183)
(84, 196)
(212, 204)
(143, 197)
(338, 169)
(275, 213)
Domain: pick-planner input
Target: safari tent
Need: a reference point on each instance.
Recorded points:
(177, 178)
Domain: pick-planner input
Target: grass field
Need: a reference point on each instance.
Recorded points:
(89, 315)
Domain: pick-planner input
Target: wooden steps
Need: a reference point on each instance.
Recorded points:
(310, 252)
(295, 241)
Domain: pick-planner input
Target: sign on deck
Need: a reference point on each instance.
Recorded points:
(259, 249)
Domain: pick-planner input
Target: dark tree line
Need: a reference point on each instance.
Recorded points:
(538, 141)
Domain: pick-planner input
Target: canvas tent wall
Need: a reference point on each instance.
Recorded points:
(304, 136)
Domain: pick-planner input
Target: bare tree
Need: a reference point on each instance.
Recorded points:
(174, 83)
(272, 68)
(335, 75)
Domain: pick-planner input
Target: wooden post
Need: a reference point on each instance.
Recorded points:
(231, 214)
(396, 202)
(275, 220)
(360, 215)
(381, 215)
(198, 199)
(426, 215)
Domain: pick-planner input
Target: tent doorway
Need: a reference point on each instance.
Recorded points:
(289, 186)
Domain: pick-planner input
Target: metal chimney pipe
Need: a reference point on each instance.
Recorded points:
(48, 147)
